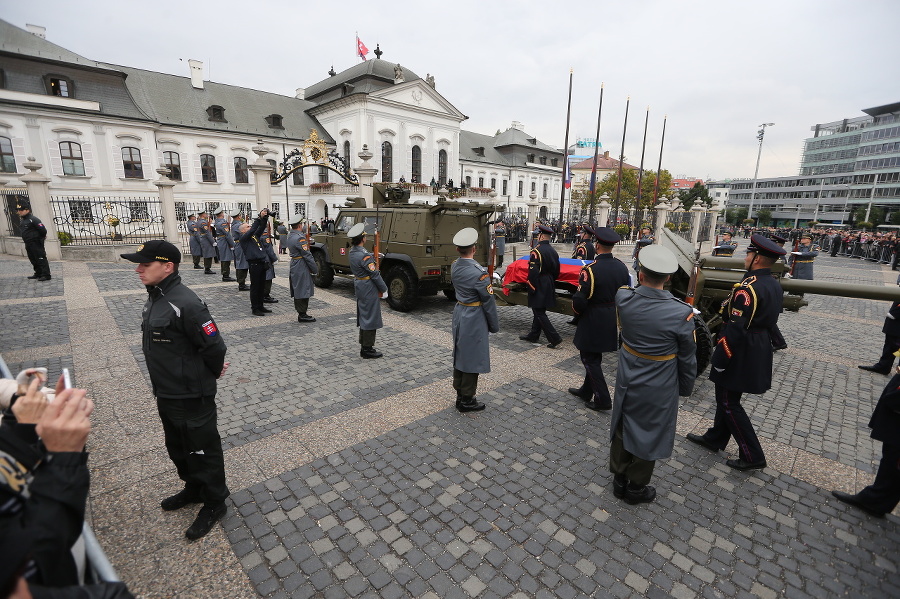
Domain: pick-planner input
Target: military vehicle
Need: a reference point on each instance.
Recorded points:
(416, 241)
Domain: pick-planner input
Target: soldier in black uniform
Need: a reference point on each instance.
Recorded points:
(543, 270)
(891, 330)
(257, 260)
(584, 249)
(742, 360)
(595, 305)
(33, 234)
(185, 354)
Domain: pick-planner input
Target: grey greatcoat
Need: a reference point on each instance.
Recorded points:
(303, 266)
(654, 323)
(500, 240)
(239, 260)
(368, 286)
(474, 315)
(803, 262)
(207, 243)
(271, 256)
(194, 239)
(224, 241)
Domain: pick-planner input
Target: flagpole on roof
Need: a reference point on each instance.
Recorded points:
(621, 158)
(637, 202)
(594, 167)
(562, 193)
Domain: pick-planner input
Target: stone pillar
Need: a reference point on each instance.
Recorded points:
(532, 215)
(262, 177)
(167, 206)
(603, 213)
(697, 212)
(39, 196)
(662, 210)
(366, 173)
(714, 220)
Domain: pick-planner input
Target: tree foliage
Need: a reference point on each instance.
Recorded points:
(735, 216)
(697, 193)
(629, 191)
(764, 215)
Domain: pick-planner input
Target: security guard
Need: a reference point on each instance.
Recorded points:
(726, 247)
(742, 360)
(657, 363)
(257, 260)
(240, 262)
(369, 286)
(543, 270)
(185, 354)
(594, 303)
(194, 239)
(207, 242)
(303, 268)
(474, 317)
(224, 243)
(584, 249)
(802, 259)
(500, 242)
(33, 234)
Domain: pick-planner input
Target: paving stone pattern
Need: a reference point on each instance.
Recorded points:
(34, 325)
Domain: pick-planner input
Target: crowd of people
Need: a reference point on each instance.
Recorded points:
(874, 246)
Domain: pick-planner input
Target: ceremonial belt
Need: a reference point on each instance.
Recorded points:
(296, 257)
(803, 261)
(470, 304)
(363, 278)
(635, 352)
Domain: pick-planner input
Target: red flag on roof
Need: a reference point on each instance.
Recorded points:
(361, 48)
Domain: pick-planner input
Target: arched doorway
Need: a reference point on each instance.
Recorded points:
(321, 210)
(542, 214)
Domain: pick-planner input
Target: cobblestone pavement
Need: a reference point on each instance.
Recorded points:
(358, 478)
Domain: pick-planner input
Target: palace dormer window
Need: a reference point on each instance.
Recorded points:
(274, 121)
(216, 114)
(59, 86)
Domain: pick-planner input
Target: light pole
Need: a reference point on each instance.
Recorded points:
(759, 135)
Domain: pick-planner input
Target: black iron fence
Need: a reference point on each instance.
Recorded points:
(680, 222)
(11, 197)
(106, 220)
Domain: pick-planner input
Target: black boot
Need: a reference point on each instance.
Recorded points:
(369, 353)
(305, 318)
(582, 392)
(469, 404)
(635, 495)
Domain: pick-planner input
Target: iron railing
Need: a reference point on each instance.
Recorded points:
(107, 220)
(11, 197)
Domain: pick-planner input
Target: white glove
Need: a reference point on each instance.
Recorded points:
(797, 253)
(718, 369)
(384, 295)
(891, 316)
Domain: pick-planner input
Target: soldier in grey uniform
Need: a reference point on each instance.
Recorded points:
(241, 267)
(303, 267)
(267, 245)
(474, 317)
(207, 243)
(500, 242)
(194, 239)
(657, 363)
(726, 247)
(369, 286)
(802, 259)
(225, 244)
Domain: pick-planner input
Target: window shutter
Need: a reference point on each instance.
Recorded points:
(161, 158)
(18, 145)
(56, 166)
(198, 172)
(147, 164)
(220, 169)
(184, 159)
(232, 175)
(87, 154)
(118, 167)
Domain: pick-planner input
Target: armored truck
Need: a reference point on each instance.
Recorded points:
(416, 242)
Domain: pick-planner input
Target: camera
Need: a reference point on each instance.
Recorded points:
(272, 213)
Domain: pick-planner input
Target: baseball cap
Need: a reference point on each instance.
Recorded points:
(157, 250)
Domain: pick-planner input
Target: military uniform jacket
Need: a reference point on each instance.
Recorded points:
(500, 240)
(239, 260)
(182, 345)
(205, 236)
(885, 421)
(595, 303)
(303, 265)
(725, 249)
(271, 258)
(584, 250)
(224, 240)
(654, 323)
(31, 228)
(368, 286)
(543, 270)
(251, 246)
(474, 316)
(742, 359)
(194, 239)
(803, 264)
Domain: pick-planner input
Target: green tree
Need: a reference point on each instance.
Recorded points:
(735, 216)
(630, 188)
(764, 215)
(895, 218)
(696, 193)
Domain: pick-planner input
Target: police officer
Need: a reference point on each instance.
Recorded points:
(657, 363)
(194, 240)
(584, 249)
(742, 360)
(257, 260)
(594, 303)
(369, 286)
(726, 247)
(543, 270)
(224, 243)
(185, 354)
(500, 242)
(33, 234)
(474, 317)
(802, 259)
(303, 268)
(240, 262)
(207, 242)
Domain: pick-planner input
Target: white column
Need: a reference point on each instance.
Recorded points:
(167, 206)
(366, 174)
(662, 209)
(262, 177)
(697, 212)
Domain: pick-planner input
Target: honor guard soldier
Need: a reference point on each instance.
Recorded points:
(594, 304)
(207, 242)
(474, 317)
(657, 363)
(742, 360)
(271, 257)
(257, 260)
(303, 268)
(802, 259)
(584, 249)
(500, 242)
(194, 240)
(240, 262)
(780, 241)
(891, 330)
(543, 270)
(726, 247)
(33, 234)
(369, 287)
(224, 244)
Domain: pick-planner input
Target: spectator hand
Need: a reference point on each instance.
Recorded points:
(224, 368)
(65, 424)
(29, 407)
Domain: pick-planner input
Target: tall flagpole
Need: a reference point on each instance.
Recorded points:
(594, 167)
(621, 158)
(637, 203)
(659, 168)
(562, 193)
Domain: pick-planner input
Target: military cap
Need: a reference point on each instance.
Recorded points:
(192, 214)
(201, 212)
(23, 205)
(356, 230)
(777, 239)
(465, 237)
(765, 246)
(606, 236)
(219, 210)
(589, 230)
(156, 250)
(658, 259)
(235, 212)
(808, 236)
(545, 229)
(295, 220)
(729, 233)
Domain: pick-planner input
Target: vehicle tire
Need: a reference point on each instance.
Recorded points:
(403, 293)
(325, 276)
(705, 344)
(450, 294)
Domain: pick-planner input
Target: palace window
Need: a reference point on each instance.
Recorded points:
(543, 160)
(505, 187)
(131, 160)
(442, 168)
(323, 174)
(298, 177)
(73, 163)
(416, 164)
(274, 172)
(480, 181)
(387, 162)
(59, 86)
(493, 184)
(521, 188)
(216, 114)
(241, 173)
(545, 190)
(172, 161)
(274, 121)
(7, 159)
(347, 157)
(208, 168)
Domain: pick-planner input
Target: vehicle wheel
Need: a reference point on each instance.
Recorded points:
(450, 294)
(403, 294)
(325, 277)
(704, 344)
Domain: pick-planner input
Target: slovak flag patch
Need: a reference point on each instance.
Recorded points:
(209, 327)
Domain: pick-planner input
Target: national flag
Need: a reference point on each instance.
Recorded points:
(568, 180)
(593, 176)
(361, 48)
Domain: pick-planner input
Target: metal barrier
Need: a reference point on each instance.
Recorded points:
(105, 220)
(11, 197)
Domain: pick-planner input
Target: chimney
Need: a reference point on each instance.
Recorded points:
(37, 30)
(517, 125)
(301, 93)
(196, 73)
(606, 154)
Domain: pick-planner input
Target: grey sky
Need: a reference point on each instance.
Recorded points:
(717, 68)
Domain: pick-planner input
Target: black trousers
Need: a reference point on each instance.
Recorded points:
(465, 383)
(637, 470)
(593, 378)
(539, 323)
(194, 446)
(241, 275)
(226, 268)
(38, 257)
(886, 361)
(257, 283)
(732, 420)
(884, 492)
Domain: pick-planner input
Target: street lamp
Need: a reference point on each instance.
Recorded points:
(759, 135)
